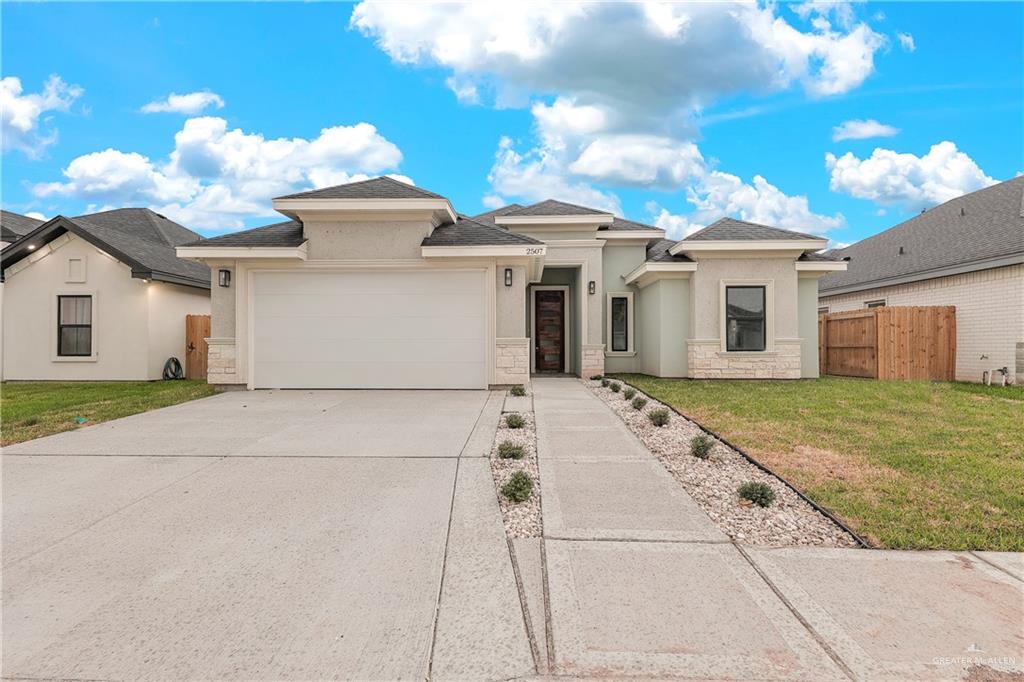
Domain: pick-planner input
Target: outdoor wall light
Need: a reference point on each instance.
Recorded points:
(593, 287)
(224, 278)
(508, 277)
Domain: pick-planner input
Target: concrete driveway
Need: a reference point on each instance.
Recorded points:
(266, 535)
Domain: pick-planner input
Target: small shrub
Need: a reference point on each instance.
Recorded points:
(758, 493)
(604, 382)
(700, 446)
(596, 377)
(515, 420)
(509, 450)
(629, 393)
(659, 417)
(519, 488)
(615, 386)
(639, 402)
(518, 390)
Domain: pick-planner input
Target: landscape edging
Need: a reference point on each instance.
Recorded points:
(817, 507)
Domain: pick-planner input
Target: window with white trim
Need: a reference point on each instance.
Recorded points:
(880, 303)
(620, 322)
(745, 318)
(74, 326)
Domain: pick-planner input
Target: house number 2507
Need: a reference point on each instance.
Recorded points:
(534, 251)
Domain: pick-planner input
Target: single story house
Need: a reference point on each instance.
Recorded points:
(379, 284)
(99, 297)
(14, 226)
(968, 253)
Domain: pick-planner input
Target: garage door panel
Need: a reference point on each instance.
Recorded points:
(321, 305)
(385, 329)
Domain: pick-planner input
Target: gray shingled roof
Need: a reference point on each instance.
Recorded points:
(489, 216)
(829, 256)
(288, 233)
(657, 252)
(627, 225)
(554, 207)
(14, 225)
(730, 229)
(470, 232)
(138, 237)
(374, 188)
(973, 229)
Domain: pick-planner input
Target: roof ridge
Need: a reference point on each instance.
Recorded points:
(404, 184)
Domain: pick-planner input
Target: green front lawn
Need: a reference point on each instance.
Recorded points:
(913, 465)
(34, 409)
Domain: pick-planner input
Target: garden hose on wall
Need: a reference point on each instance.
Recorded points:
(172, 369)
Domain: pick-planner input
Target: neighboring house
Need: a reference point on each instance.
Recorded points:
(99, 297)
(968, 253)
(14, 226)
(381, 284)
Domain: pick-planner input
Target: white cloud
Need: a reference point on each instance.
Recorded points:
(215, 177)
(22, 114)
(465, 91)
(643, 160)
(190, 103)
(643, 60)
(906, 42)
(914, 182)
(721, 195)
(36, 215)
(492, 201)
(855, 129)
(538, 175)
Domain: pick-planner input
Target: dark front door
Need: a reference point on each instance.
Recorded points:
(549, 346)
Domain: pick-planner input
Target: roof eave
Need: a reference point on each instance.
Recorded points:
(708, 245)
(933, 273)
(649, 272)
(578, 219)
(293, 207)
(200, 253)
(483, 250)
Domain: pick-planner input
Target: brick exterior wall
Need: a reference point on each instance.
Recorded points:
(593, 360)
(706, 360)
(989, 314)
(511, 361)
(221, 365)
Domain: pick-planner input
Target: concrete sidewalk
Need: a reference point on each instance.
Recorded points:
(641, 582)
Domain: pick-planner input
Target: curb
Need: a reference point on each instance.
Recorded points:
(817, 507)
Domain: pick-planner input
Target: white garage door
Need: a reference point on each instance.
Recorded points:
(393, 329)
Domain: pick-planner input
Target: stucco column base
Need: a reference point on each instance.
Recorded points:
(511, 361)
(706, 360)
(221, 365)
(593, 360)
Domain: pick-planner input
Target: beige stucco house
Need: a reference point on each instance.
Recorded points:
(968, 253)
(98, 297)
(380, 284)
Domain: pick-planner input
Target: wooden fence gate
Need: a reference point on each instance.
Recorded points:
(912, 342)
(197, 330)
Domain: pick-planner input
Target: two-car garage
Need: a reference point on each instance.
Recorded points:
(423, 328)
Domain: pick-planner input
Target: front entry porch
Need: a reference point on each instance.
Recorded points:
(553, 319)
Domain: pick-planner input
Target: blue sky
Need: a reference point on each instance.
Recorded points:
(670, 114)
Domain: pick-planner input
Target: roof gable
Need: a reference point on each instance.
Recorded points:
(382, 187)
(730, 229)
(964, 233)
(139, 238)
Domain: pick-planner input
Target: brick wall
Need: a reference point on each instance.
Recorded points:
(989, 314)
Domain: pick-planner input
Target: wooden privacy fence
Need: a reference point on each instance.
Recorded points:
(197, 330)
(913, 342)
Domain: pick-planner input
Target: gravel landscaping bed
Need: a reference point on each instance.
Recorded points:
(713, 482)
(522, 520)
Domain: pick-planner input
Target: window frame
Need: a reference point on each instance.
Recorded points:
(875, 303)
(93, 355)
(769, 314)
(630, 324)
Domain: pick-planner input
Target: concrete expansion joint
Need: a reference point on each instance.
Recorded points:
(996, 566)
(796, 614)
(643, 541)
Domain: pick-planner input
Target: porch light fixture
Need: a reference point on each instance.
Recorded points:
(508, 277)
(224, 278)
(592, 288)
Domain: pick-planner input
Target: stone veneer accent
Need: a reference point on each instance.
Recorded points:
(511, 361)
(708, 361)
(593, 360)
(221, 366)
